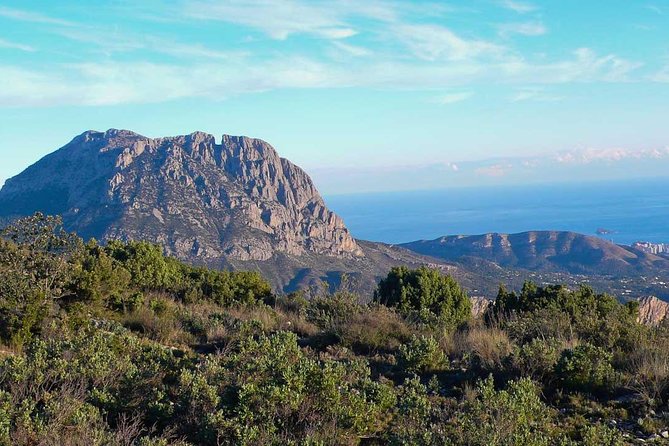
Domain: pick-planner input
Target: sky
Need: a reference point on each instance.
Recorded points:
(479, 91)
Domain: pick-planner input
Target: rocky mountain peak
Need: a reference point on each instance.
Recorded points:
(238, 199)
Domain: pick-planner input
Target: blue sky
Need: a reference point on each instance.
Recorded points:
(375, 86)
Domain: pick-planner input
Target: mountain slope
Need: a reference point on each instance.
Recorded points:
(556, 251)
(236, 205)
(199, 199)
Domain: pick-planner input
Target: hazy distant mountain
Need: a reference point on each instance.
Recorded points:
(550, 251)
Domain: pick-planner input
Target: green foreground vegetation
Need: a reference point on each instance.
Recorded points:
(119, 345)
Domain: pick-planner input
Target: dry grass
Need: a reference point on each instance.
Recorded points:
(378, 329)
(158, 319)
(649, 367)
(489, 346)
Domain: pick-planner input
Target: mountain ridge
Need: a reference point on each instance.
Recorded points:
(542, 250)
(245, 201)
(233, 205)
(238, 205)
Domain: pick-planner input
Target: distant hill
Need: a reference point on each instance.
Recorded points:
(547, 251)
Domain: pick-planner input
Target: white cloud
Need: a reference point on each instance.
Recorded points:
(112, 82)
(353, 50)
(656, 9)
(538, 94)
(518, 6)
(277, 18)
(432, 42)
(34, 17)
(584, 66)
(524, 29)
(16, 46)
(452, 98)
(590, 155)
(412, 56)
(661, 76)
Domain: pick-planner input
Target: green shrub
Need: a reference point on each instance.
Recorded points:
(414, 418)
(424, 292)
(600, 435)
(512, 417)
(537, 359)
(586, 368)
(421, 354)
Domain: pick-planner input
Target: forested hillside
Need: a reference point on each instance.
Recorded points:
(117, 344)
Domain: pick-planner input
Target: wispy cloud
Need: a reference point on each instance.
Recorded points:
(279, 19)
(661, 76)
(524, 29)
(416, 53)
(519, 6)
(30, 16)
(591, 155)
(16, 46)
(538, 94)
(353, 50)
(114, 82)
(452, 98)
(656, 9)
(432, 42)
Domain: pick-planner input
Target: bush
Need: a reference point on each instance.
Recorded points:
(269, 392)
(421, 354)
(414, 416)
(537, 359)
(586, 368)
(597, 318)
(424, 292)
(512, 417)
(648, 366)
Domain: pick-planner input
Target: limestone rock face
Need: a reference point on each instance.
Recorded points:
(236, 200)
(652, 311)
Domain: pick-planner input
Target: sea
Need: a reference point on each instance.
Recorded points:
(622, 211)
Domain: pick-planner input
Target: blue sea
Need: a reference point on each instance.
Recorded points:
(633, 210)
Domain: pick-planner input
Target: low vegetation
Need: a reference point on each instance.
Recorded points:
(117, 344)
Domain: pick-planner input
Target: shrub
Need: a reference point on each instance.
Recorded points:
(537, 359)
(425, 291)
(268, 392)
(600, 435)
(512, 417)
(413, 418)
(421, 354)
(332, 312)
(587, 368)
(36, 257)
(374, 329)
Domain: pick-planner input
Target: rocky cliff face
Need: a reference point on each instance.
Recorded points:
(199, 199)
(652, 311)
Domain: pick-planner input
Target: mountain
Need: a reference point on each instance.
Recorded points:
(549, 251)
(199, 199)
(236, 204)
